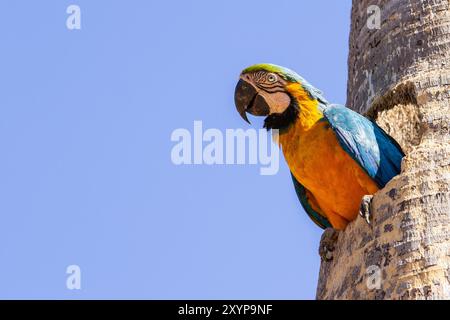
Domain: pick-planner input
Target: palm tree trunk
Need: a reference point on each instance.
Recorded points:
(399, 75)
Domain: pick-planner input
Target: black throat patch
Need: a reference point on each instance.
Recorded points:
(282, 121)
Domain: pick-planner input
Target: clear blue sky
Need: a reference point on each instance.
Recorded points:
(86, 176)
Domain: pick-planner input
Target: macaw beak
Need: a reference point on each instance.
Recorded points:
(247, 99)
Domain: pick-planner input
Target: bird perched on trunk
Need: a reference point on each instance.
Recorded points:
(337, 157)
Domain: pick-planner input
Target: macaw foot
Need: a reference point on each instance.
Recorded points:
(327, 242)
(365, 208)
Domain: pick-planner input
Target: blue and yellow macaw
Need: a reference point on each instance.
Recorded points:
(336, 156)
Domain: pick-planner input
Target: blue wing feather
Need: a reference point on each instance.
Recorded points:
(372, 148)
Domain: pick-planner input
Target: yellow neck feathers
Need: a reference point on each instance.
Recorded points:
(309, 108)
(308, 116)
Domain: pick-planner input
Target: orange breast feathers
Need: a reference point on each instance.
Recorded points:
(321, 165)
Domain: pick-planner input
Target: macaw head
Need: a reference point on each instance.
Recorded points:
(272, 91)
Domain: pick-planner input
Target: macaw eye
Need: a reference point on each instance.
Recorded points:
(272, 77)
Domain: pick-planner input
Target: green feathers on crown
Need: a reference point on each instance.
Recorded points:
(288, 75)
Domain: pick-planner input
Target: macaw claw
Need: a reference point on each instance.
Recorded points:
(365, 208)
(327, 244)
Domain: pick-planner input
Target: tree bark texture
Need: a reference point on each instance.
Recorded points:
(399, 75)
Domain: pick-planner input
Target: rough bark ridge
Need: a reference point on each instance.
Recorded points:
(399, 75)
